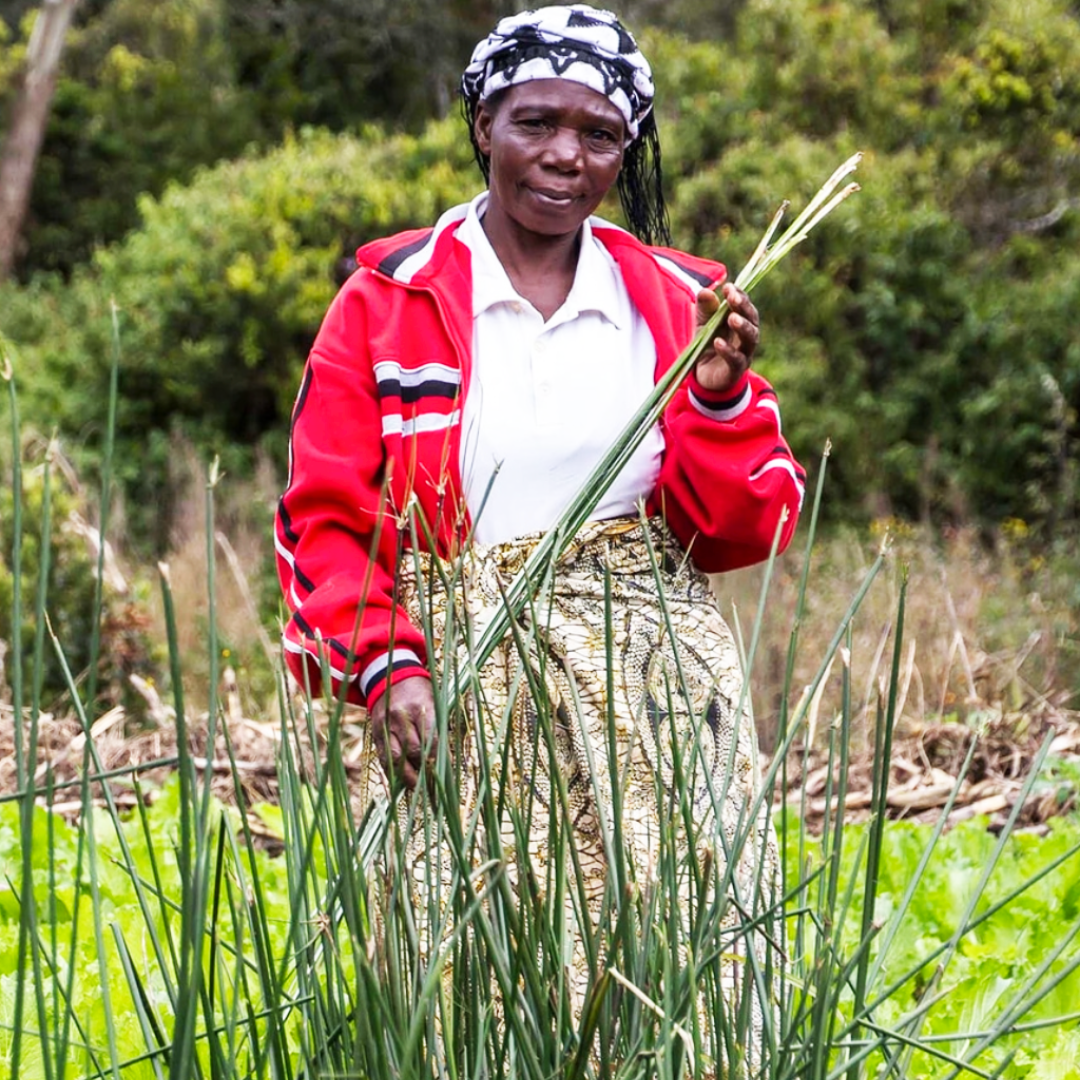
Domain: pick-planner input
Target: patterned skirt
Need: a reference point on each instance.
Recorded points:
(616, 706)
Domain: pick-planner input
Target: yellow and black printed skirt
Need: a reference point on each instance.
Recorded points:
(613, 714)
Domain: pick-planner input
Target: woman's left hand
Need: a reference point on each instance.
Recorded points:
(722, 366)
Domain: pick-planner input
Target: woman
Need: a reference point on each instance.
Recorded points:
(468, 377)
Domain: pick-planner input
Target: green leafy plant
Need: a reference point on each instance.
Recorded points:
(165, 942)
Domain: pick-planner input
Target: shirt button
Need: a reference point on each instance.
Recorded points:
(540, 346)
(515, 307)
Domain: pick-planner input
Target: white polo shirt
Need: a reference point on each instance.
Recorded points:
(547, 399)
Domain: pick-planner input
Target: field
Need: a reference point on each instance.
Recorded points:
(193, 881)
(224, 905)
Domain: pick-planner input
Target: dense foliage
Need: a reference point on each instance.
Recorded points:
(128, 875)
(152, 90)
(985, 974)
(928, 331)
(220, 292)
(146, 96)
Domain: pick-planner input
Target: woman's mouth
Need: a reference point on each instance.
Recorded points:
(556, 198)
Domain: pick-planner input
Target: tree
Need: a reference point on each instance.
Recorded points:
(338, 64)
(29, 118)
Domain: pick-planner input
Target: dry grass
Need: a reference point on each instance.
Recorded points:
(989, 628)
(989, 646)
(243, 557)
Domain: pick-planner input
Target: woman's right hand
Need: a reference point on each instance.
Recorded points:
(402, 725)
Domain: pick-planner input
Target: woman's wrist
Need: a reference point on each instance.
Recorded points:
(722, 405)
(388, 668)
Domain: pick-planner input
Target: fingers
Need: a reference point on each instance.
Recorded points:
(734, 347)
(707, 303)
(742, 322)
(401, 741)
(416, 741)
(403, 728)
(741, 325)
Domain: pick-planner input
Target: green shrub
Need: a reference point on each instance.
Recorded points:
(821, 69)
(902, 332)
(146, 94)
(220, 293)
(946, 376)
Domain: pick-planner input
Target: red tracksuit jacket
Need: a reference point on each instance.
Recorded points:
(376, 434)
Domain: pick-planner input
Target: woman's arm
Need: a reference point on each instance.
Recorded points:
(336, 533)
(728, 481)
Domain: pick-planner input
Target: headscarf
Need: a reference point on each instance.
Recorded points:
(590, 47)
(575, 42)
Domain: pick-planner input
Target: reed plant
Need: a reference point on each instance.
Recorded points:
(408, 940)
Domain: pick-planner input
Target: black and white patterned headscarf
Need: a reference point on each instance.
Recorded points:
(591, 47)
(574, 42)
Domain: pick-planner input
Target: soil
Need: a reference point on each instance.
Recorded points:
(927, 761)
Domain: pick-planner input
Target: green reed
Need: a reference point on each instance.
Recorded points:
(412, 938)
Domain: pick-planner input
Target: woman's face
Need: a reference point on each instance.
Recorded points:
(556, 148)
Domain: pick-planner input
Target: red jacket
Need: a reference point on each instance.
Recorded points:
(376, 434)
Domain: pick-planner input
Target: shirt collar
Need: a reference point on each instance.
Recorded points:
(595, 285)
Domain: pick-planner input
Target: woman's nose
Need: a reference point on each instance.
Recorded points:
(564, 148)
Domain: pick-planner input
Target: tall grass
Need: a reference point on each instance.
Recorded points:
(416, 939)
(165, 942)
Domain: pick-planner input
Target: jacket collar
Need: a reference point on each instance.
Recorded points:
(416, 257)
(594, 287)
(662, 282)
(412, 257)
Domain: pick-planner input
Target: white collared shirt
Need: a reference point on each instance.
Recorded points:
(547, 399)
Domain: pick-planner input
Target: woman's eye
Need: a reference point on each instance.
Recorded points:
(603, 138)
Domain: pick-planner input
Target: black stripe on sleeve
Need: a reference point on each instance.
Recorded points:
(301, 397)
(719, 404)
(392, 388)
(286, 523)
(294, 538)
(383, 678)
(783, 453)
(335, 646)
(392, 261)
(304, 580)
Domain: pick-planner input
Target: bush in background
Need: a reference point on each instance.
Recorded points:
(219, 296)
(928, 331)
(147, 94)
(151, 90)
